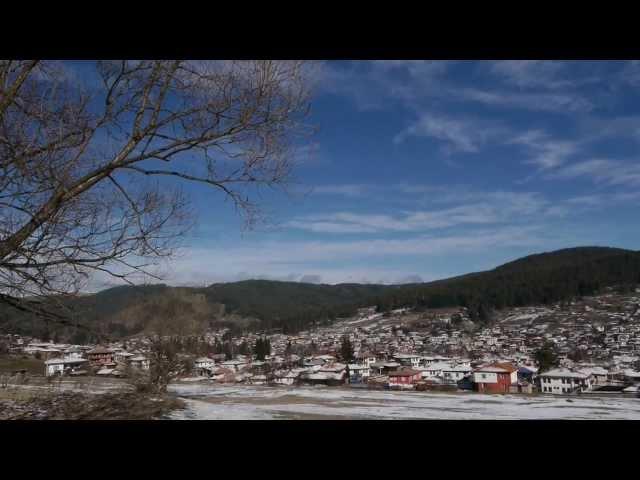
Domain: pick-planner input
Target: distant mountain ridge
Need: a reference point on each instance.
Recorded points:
(291, 306)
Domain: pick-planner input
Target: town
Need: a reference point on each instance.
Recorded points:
(593, 345)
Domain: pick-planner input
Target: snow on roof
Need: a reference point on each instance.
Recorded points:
(497, 368)
(595, 370)
(61, 361)
(564, 373)
(357, 366)
(100, 349)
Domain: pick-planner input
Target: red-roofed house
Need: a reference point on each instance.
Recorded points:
(495, 378)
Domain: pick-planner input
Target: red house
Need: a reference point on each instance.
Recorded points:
(404, 378)
(495, 378)
(101, 356)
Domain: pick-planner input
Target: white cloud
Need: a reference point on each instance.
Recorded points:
(374, 84)
(631, 73)
(610, 172)
(531, 73)
(546, 151)
(552, 102)
(347, 190)
(483, 209)
(461, 134)
(327, 259)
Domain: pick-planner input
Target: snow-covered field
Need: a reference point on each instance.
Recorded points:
(206, 401)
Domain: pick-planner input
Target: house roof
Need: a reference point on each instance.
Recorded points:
(497, 367)
(564, 373)
(405, 372)
(100, 349)
(61, 361)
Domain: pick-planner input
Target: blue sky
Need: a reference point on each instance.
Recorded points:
(423, 170)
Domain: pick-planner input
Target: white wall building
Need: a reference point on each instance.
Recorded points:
(60, 366)
(562, 380)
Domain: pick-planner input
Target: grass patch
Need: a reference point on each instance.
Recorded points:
(9, 364)
(82, 406)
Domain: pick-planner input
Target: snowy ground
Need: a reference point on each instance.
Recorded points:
(213, 402)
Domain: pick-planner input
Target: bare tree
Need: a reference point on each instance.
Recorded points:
(90, 155)
(165, 363)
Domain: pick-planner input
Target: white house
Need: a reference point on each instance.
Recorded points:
(408, 360)
(122, 357)
(60, 366)
(235, 365)
(140, 362)
(600, 374)
(357, 370)
(203, 363)
(447, 372)
(563, 380)
(455, 373)
(286, 377)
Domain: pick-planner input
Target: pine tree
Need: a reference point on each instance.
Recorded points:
(546, 357)
(260, 349)
(346, 350)
(227, 350)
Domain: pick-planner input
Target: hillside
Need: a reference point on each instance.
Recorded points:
(262, 304)
(536, 279)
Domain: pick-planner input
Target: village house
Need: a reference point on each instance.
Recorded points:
(408, 360)
(382, 368)
(600, 375)
(564, 380)
(62, 366)
(286, 377)
(139, 362)
(203, 366)
(101, 356)
(495, 378)
(121, 357)
(358, 372)
(404, 378)
(234, 365)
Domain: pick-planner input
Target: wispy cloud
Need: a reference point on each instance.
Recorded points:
(372, 85)
(631, 73)
(604, 171)
(322, 258)
(459, 134)
(347, 190)
(604, 199)
(551, 102)
(531, 73)
(546, 152)
(492, 208)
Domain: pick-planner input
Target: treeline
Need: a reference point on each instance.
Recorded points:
(292, 306)
(539, 279)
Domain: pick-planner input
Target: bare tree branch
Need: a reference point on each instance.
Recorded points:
(81, 191)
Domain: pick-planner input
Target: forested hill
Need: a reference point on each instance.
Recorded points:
(536, 279)
(291, 306)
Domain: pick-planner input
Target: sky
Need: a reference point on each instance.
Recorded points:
(421, 170)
